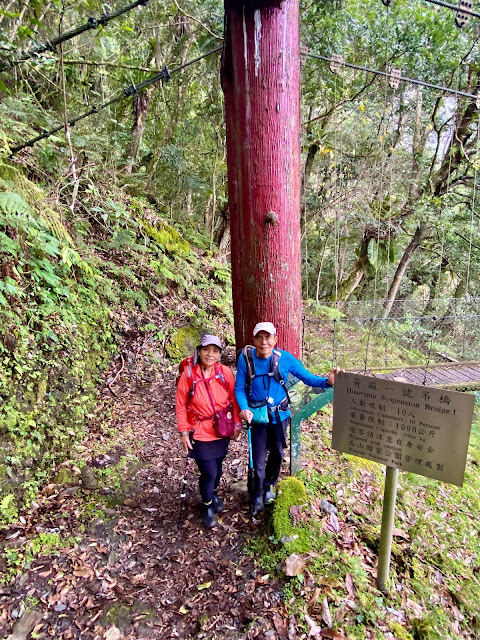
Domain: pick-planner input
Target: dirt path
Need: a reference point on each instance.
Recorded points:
(132, 571)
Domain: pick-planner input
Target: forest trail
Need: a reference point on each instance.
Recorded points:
(135, 572)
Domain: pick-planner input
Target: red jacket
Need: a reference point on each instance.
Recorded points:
(190, 409)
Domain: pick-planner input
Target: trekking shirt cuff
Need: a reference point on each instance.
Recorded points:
(298, 370)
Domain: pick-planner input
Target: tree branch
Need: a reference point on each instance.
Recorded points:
(475, 246)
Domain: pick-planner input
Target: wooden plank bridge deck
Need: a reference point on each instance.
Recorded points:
(462, 376)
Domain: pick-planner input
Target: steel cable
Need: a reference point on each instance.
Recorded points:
(131, 90)
(49, 45)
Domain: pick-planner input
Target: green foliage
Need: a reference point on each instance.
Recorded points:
(8, 508)
(18, 559)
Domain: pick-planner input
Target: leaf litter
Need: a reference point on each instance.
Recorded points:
(128, 569)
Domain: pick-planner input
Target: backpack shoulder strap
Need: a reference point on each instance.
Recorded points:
(248, 355)
(275, 368)
(189, 366)
(274, 365)
(220, 376)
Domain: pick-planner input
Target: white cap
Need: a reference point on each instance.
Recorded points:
(264, 326)
(209, 339)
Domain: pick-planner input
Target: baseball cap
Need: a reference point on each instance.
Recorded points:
(209, 339)
(265, 326)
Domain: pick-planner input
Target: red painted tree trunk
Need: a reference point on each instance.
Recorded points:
(261, 84)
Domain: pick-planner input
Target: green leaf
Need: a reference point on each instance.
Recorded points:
(8, 245)
(51, 278)
(13, 203)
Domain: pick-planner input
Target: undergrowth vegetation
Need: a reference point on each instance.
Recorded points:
(434, 586)
(69, 286)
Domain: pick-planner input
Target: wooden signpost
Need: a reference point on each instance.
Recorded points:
(404, 426)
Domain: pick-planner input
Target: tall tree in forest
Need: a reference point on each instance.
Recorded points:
(260, 80)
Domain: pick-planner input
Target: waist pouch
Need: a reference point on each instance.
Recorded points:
(263, 414)
(224, 422)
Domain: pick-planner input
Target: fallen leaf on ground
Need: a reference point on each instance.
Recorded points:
(317, 592)
(398, 533)
(350, 586)
(314, 630)
(294, 565)
(326, 615)
(281, 625)
(205, 585)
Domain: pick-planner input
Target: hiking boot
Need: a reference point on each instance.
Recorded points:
(217, 503)
(269, 497)
(209, 518)
(257, 505)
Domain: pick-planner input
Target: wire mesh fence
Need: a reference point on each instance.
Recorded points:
(359, 335)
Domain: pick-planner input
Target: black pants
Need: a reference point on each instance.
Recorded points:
(266, 469)
(210, 474)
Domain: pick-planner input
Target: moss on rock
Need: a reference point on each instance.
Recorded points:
(165, 235)
(65, 477)
(290, 492)
(183, 341)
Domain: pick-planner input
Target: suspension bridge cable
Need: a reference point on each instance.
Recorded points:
(454, 7)
(387, 74)
(131, 90)
(49, 45)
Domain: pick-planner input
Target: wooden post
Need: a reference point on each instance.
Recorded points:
(386, 534)
(261, 84)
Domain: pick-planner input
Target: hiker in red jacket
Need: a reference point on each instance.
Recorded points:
(205, 396)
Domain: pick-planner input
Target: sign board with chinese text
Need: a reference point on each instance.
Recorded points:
(419, 429)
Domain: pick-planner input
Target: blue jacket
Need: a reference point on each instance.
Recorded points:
(276, 393)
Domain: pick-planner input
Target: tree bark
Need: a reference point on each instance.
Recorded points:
(261, 84)
(222, 236)
(413, 245)
(348, 286)
(320, 268)
(140, 105)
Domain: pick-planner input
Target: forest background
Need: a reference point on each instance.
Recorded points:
(130, 204)
(116, 232)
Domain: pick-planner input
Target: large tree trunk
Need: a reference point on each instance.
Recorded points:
(348, 286)
(141, 103)
(413, 245)
(261, 83)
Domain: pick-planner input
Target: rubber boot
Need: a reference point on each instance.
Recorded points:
(209, 518)
(217, 503)
(269, 497)
(257, 505)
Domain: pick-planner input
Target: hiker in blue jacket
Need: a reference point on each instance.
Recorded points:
(264, 404)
